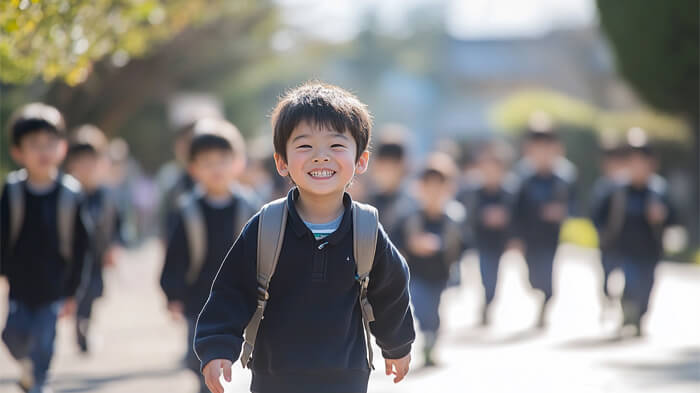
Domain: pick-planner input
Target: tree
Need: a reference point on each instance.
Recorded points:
(656, 44)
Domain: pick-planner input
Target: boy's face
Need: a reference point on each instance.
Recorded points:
(216, 170)
(543, 154)
(434, 192)
(86, 169)
(321, 161)
(640, 168)
(492, 171)
(40, 153)
(387, 174)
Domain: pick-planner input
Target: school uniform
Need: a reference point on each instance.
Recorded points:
(391, 207)
(100, 214)
(188, 281)
(541, 237)
(42, 268)
(312, 337)
(430, 274)
(631, 241)
(490, 242)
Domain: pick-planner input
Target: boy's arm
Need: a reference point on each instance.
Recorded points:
(389, 297)
(172, 278)
(231, 303)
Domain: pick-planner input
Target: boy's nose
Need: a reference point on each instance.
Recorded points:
(322, 158)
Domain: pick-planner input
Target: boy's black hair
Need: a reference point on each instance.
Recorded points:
(215, 134)
(542, 135)
(390, 151)
(439, 166)
(36, 117)
(321, 105)
(76, 150)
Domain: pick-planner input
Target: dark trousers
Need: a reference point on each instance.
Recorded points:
(425, 296)
(30, 334)
(639, 281)
(540, 264)
(489, 261)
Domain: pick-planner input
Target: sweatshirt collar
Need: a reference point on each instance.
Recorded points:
(301, 229)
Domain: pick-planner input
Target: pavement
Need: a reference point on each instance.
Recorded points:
(138, 347)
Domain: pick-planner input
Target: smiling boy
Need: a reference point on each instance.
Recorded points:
(311, 339)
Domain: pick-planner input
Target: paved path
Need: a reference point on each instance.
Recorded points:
(138, 347)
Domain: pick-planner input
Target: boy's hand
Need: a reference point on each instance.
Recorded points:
(176, 309)
(495, 217)
(398, 367)
(212, 371)
(424, 244)
(554, 212)
(111, 256)
(656, 213)
(68, 308)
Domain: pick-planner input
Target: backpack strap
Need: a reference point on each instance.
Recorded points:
(196, 233)
(67, 211)
(365, 228)
(15, 193)
(616, 218)
(271, 226)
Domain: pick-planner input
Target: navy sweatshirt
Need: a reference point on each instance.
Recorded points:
(221, 232)
(433, 268)
(535, 192)
(34, 267)
(312, 338)
(637, 237)
(477, 200)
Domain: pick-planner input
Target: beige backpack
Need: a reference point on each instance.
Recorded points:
(271, 226)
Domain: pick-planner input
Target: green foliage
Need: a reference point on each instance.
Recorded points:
(656, 44)
(62, 38)
(513, 114)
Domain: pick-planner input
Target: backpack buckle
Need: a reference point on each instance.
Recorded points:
(263, 295)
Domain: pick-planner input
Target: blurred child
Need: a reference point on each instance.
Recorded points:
(174, 181)
(208, 222)
(632, 218)
(614, 173)
(489, 203)
(544, 200)
(42, 241)
(432, 240)
(300, 261)
(389, 168)
(87, 162)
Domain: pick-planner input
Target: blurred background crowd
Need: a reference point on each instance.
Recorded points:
(597, 92)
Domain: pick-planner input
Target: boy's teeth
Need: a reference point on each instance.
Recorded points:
(321, 173)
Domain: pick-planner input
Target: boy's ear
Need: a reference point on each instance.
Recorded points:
(62, 149)
(281, 165)
(362, 163)
(16, 154)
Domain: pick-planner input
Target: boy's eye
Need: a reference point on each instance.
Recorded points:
(337, 145)
(304, 147)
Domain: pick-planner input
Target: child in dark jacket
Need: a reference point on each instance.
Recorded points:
(208, 221)
(87, 162)
(433, 239)
(312, 336)
(42, 241)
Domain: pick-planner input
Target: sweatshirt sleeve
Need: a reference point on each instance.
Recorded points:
(231, 303)
(177, 254)
(389, 296)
